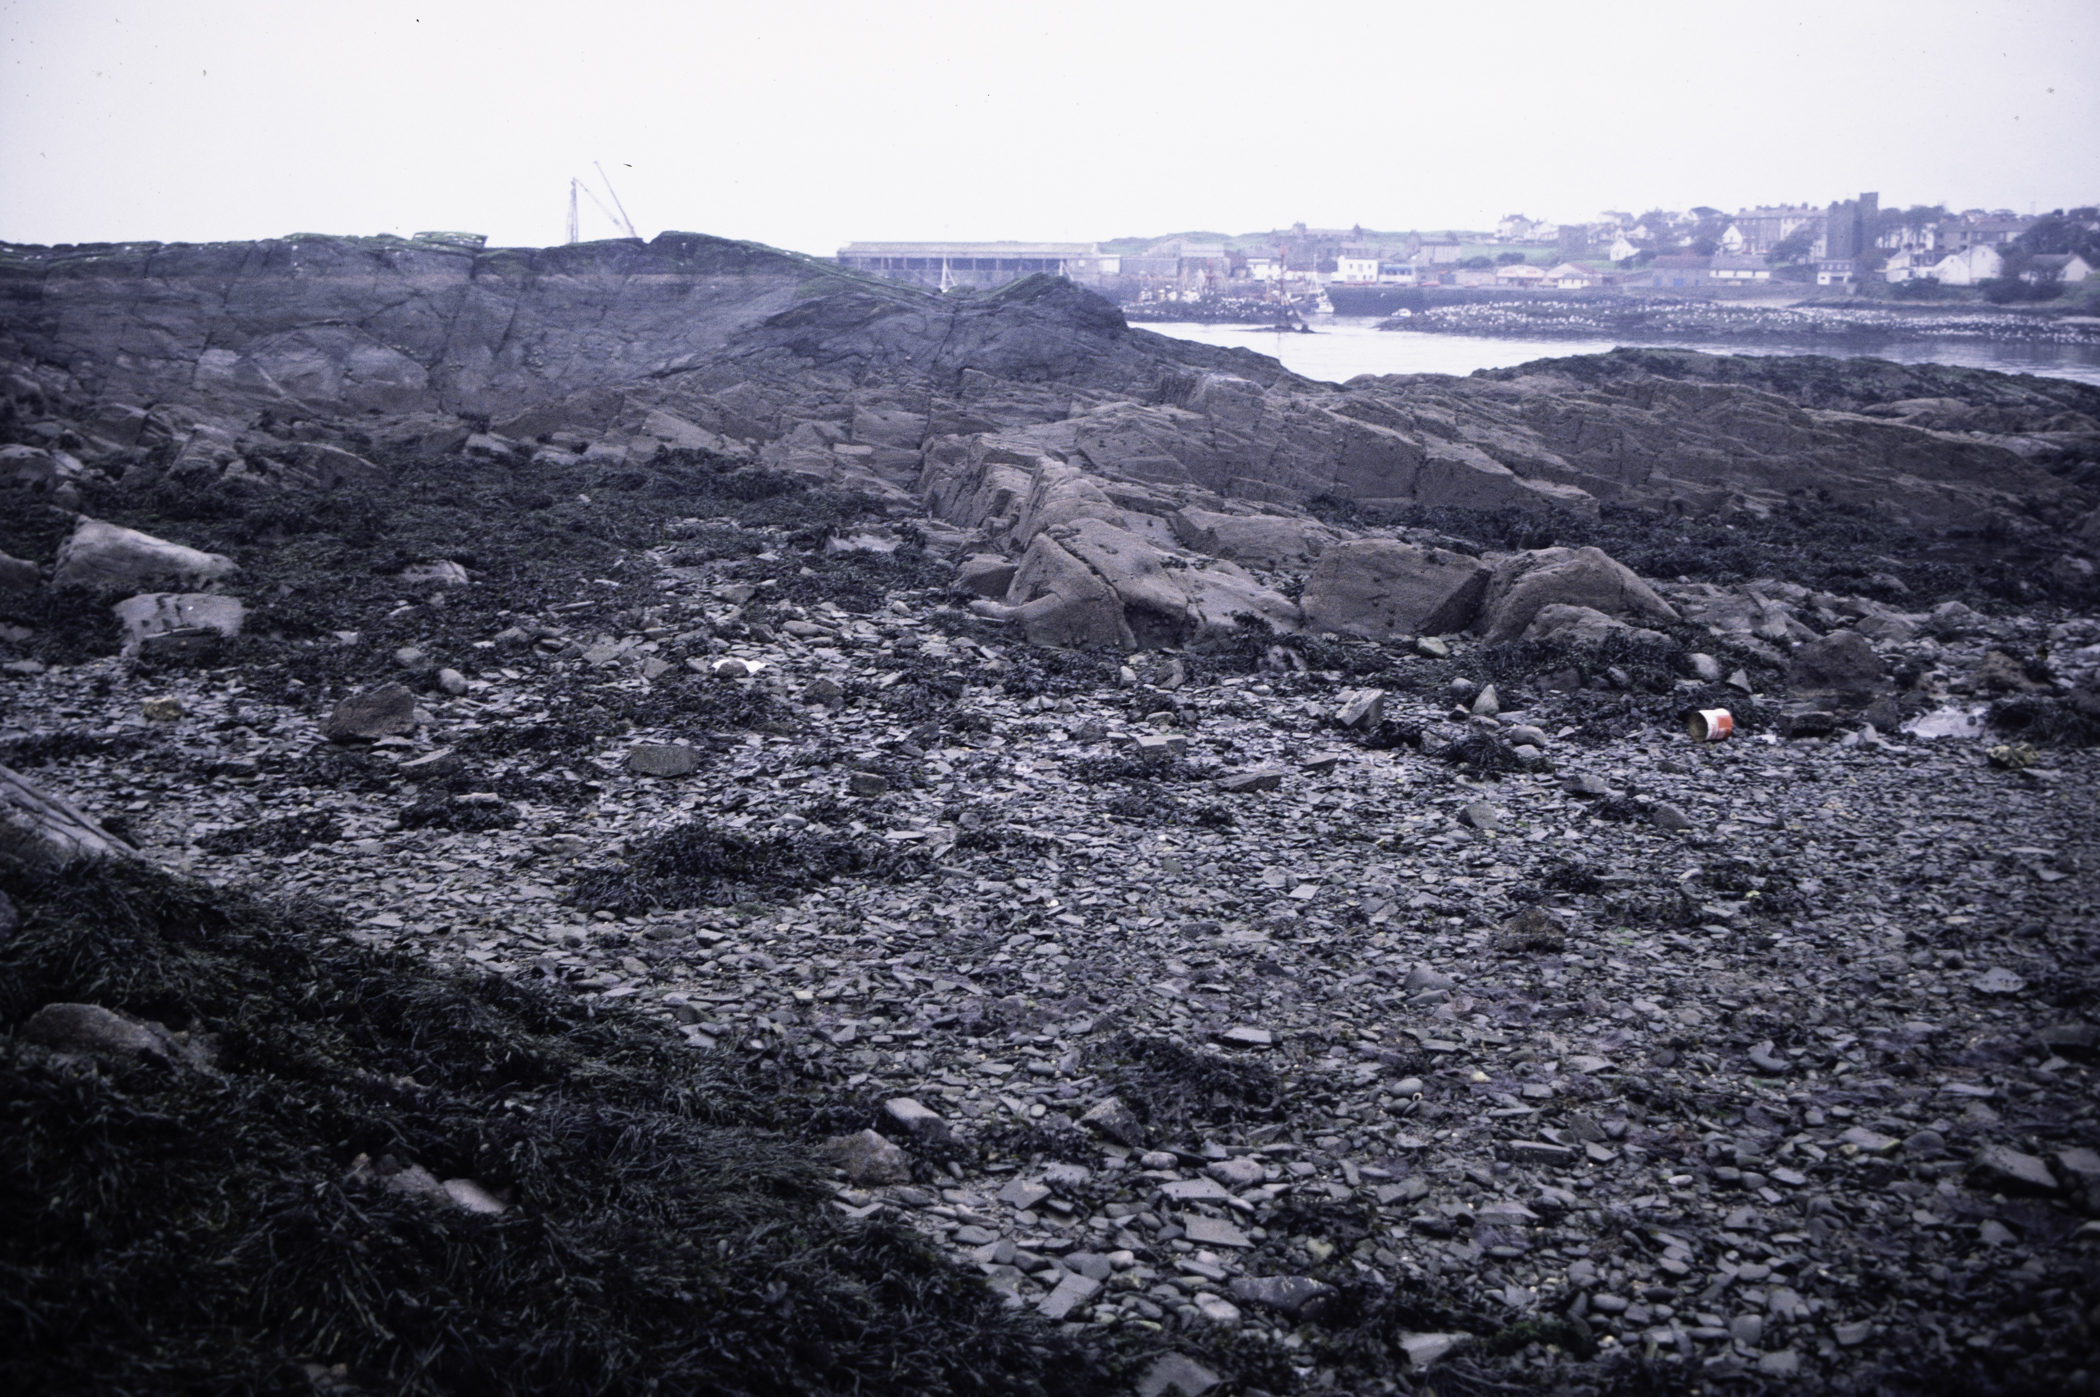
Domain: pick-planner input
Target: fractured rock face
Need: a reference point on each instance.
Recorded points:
(1526, 583)
(1379, 588)
(107, 555)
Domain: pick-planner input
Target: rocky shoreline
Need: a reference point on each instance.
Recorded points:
(1716, 321)
(1217, 859)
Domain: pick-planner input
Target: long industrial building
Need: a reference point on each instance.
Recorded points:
(944, 265)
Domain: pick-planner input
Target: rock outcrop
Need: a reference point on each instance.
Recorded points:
(108, 555)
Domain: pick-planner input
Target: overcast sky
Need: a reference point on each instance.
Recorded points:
(809, 125)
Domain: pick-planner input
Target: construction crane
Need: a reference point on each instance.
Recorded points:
(621, 218)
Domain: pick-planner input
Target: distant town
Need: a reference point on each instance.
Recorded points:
(1853, 247)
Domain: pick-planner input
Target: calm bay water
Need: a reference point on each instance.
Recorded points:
(1341, 347)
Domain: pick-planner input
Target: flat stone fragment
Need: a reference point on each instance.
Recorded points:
(1539, 1152)
(1176, 1375)
(1194, 1190)
(1998, 980)
(1260, 779)
(1023, 1194)
(1242, 1036)
(1481, 816)
(915, 1119)
(2007, 1166)
(1868, 1141)
(1213, 1232)
(1072, 1291)
(1423, 1350)
(1216, 1308)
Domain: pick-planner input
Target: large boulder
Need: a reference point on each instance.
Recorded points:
(1093, 583)
(1583, 626)
(107, 555)
(165, 613)
(1841, 663)
(1059, 600)
(1526, 583)
(1377, 588)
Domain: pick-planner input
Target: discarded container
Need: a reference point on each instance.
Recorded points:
(1710, 725)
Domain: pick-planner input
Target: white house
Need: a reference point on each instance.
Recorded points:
(1569, 277)
(1732, 240)
(1397, 274)
(1908, 265)
(2066, 267)
(1519, 274)
(1622, 249)
(1355, 269)
(1264, 268)
(1977, 262)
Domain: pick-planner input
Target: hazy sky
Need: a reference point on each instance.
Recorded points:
(808, 125)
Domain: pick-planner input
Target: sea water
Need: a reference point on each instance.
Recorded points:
(1340, 347)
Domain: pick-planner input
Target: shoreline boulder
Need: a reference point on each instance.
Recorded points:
(1376, 589)
(1524, 584)
(96, 554)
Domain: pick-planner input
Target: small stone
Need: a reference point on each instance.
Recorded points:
(1241, 782)
(1361, 708)
(469, 1196)
(1667, 816)
(1586, 785)
(1533, 929)
(1705, 668)
(1747, 1329)
(868, 1158)
(1609, 1304)
(1852, 1335)
(1176, 1375)
(1216, 1308)
(971, 1235)
(1301, 1297)
(1999, 981)
(452, 682)
(1925, 1144)
(1244, 1037)
(1993, 1233)
(1739, 680)
(1539, 1152)
(663, 759)
(386, 711)
(918, 1122)
(1433, 647)
(1487, 703)
(409, 657)
(729, 667)
(1766, 1059)
(1115, 1120)
(868, 784)
(1423, 1350)
(441, 762)
(161, 710)
(1423, 978)
(1868, 1141)
(1481, 816)
(1241, 1171)
(825, 692)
